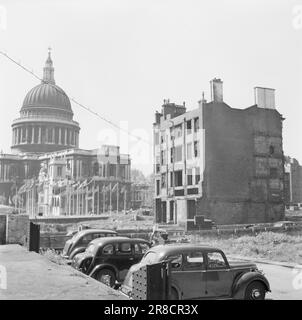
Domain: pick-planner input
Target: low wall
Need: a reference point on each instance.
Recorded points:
(65, 220)
(2, 229)
(17, 229)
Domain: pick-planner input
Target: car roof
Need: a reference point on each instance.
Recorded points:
(107, 240)
(88, 231)
(184, 247)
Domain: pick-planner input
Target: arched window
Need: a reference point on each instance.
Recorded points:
(96, 169)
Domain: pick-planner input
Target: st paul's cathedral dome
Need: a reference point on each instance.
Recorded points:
(46, 119)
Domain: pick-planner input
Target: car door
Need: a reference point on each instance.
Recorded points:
(219, 276)
(191, 277)
(123, 258)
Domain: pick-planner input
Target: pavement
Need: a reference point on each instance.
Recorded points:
(31, 276)
(285, 278)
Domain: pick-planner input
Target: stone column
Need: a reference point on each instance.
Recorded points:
(53, 135)
(33, 135)
(69, 139)
(40, 135)
(60, 135)
(66, 136)
(14, 137)
(46, 134)
(26, 134)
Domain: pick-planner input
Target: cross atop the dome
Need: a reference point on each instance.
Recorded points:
(49, 50)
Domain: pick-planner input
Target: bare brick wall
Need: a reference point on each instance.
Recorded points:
(237, 186)
(17, 229)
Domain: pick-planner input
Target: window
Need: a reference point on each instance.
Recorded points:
(178, 131)
(163, 157)
(137, 249)
(271, 149)
(112, 170)
(273, 173)
(141, 248)
(178, 153)
(163, 180)
(157, 187)
(171, 179)
(156, 138)
(178, 178)
(157, 164)
(196, 124)
(216, 261)
(189, 126)
(196, 149)
(108, 249)
(95, 169)
(123, 248)
(189, 177)
(197, 175)
(98, 235)
(172, 155)
(162, 137)
(189, 151)
(176, 261)
(194, 261)
(59, 171)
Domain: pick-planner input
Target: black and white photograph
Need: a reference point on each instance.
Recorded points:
(150, 150)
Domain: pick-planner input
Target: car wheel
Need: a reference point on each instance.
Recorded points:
(107, 277)
(174, 294)
(85, 265)
(255, 291)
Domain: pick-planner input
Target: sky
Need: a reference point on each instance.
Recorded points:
(122, 58)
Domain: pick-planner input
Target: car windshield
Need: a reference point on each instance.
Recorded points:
(90, 248)
(150, 257)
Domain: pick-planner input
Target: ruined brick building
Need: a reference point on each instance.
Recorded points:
(218, 161)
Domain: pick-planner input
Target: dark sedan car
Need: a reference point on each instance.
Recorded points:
(109, 259)
(79, 242)
(202, 272)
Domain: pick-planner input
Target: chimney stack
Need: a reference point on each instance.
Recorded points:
(265, 98)
(217, 90)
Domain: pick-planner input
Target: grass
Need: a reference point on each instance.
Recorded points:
(284, 247)
(53, 256)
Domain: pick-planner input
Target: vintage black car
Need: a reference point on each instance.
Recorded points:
(109, 259)
(79, 242)
(202, 272)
